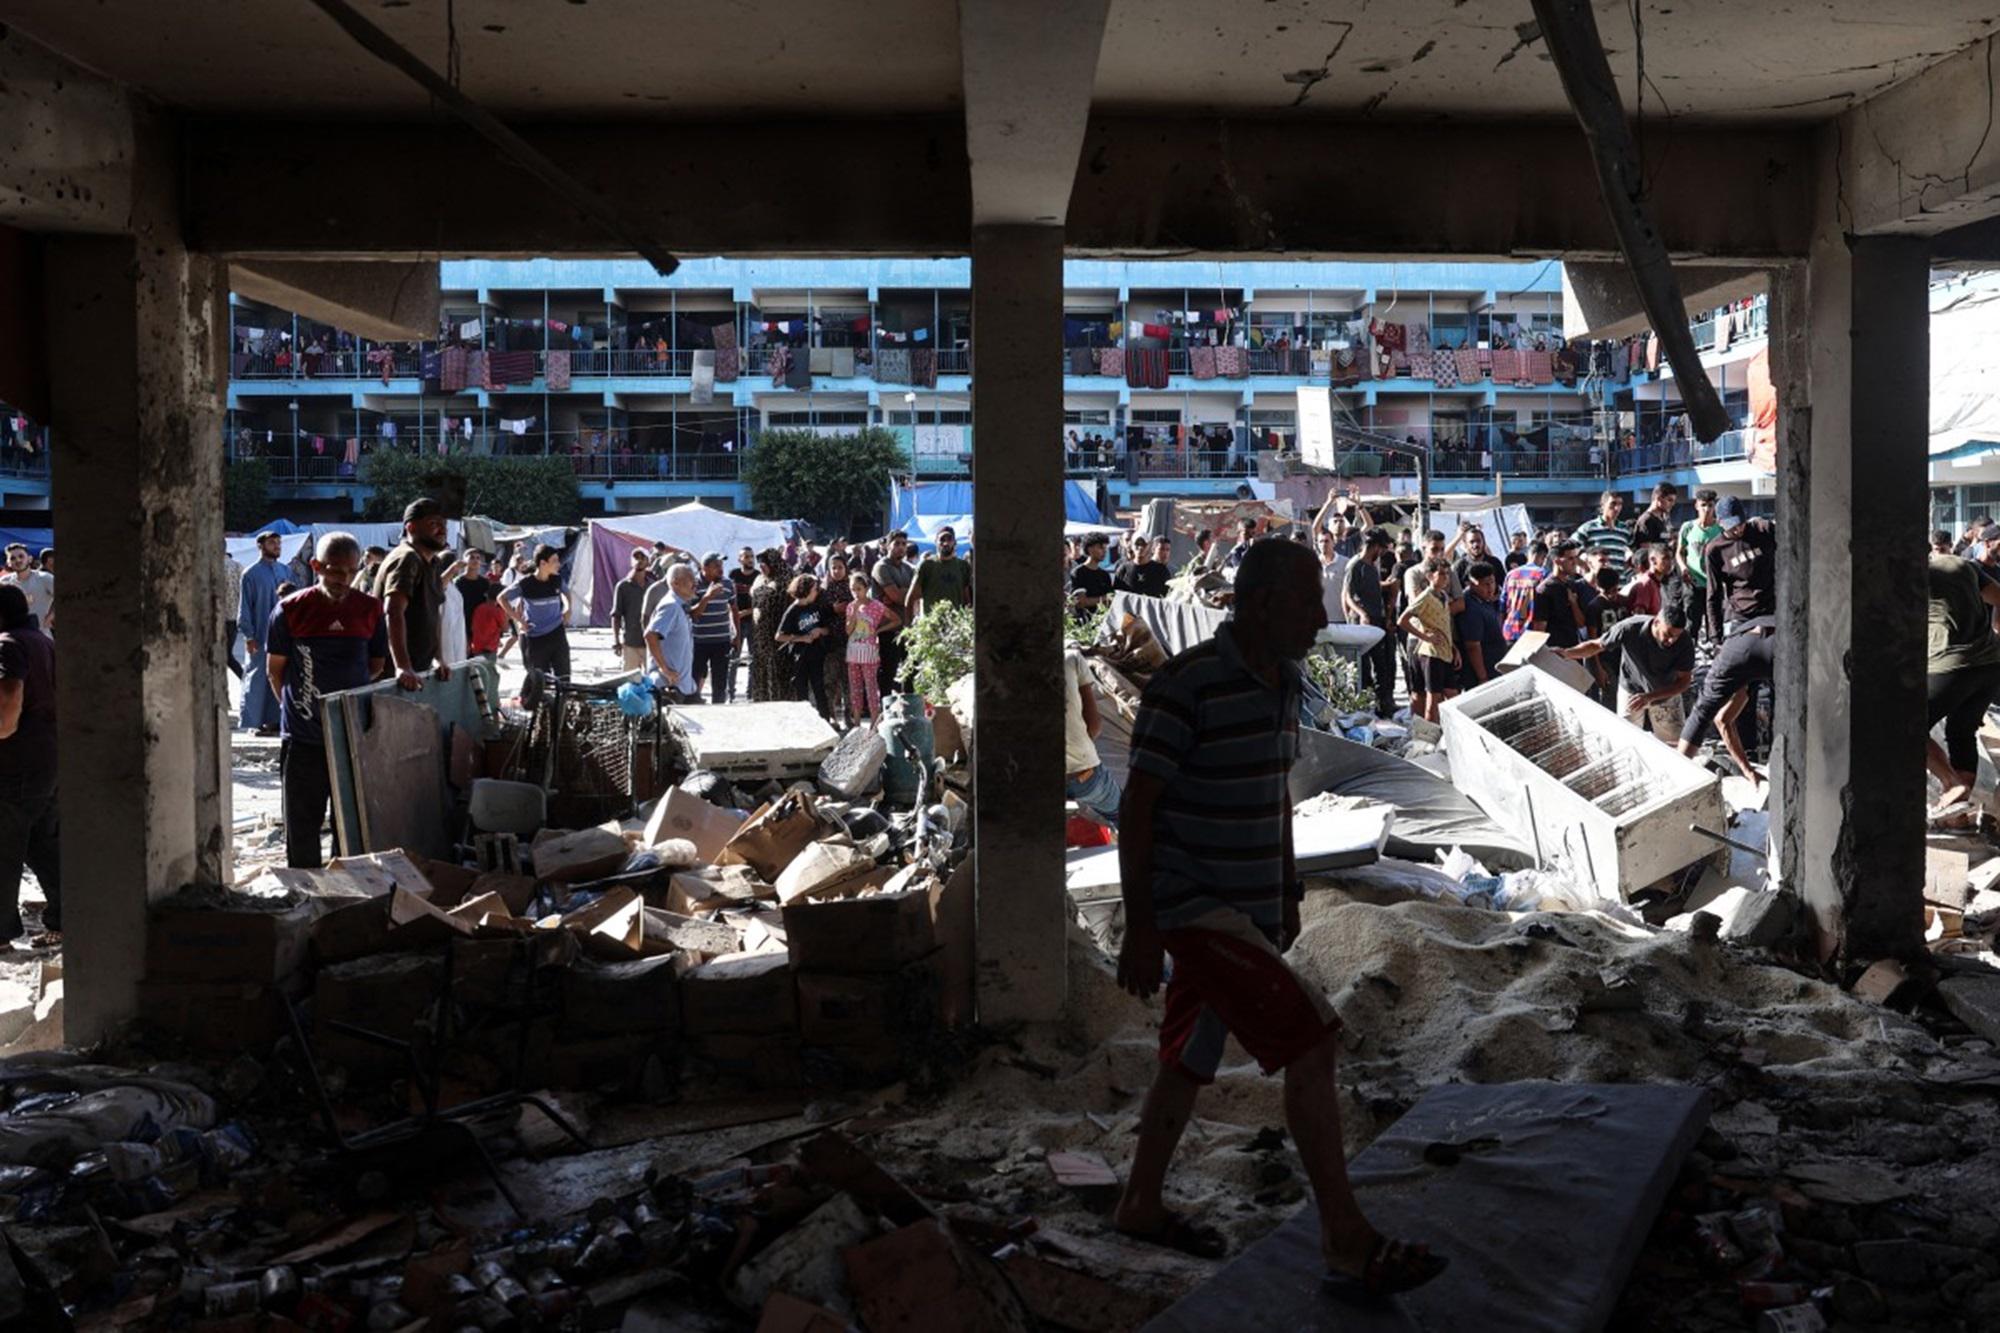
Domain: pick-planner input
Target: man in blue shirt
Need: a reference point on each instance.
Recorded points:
(1481, 639)
(321, 640)
(670, 636)
(254, 604)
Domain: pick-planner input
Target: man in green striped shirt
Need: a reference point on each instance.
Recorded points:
(1605, 534)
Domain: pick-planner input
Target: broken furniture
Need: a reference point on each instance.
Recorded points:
(593, 758)
(1540, 1193)
(1602, 799)
(387, 751)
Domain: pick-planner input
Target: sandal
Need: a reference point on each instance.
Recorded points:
(1393, 1267)
(1180, 1232)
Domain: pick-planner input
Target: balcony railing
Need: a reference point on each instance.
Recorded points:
(1666, 455)
(21, 463)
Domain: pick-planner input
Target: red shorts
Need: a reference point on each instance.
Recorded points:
(1229, 980)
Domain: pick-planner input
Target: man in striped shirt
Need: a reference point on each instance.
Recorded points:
(713, 611)
(1205, 857)
(1606, 535)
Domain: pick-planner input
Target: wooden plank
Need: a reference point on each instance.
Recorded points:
(1543, 1212)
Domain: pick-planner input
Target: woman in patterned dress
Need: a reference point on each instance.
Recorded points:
(770, 673)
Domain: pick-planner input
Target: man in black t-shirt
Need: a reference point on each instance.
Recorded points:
(1564, 603)
(1142, 574)
(1656, 527)
(1742, 568)
(1089, 583)
(1655, 668)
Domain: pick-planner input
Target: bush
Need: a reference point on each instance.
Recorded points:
(830, 481)
(530, 491)
(246, 494)
(938, 649)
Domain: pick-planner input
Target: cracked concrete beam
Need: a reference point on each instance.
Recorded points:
(1922, 157)
(386, 301)
(1601, 300)
(66, 143)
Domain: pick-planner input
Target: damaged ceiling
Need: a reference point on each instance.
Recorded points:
(634, 58)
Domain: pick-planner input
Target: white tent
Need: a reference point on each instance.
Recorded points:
(692, 527)
(1965, 376)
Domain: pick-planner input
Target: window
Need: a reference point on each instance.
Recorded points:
(924, 417)
(1096, 417)
(1450, 330)
(795, 420)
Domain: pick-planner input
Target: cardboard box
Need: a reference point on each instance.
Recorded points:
(557, 1061)
(820, 868)
(751, 1059)
(877, 933)
(395, 868)
(1532, 649)
(851, 1009)
(605, 999)
(682, 814)
(741, 993)
(350, 928)
(202, 945)
(703, 890)
(581, 854)
(778, 831)
(223, 1017)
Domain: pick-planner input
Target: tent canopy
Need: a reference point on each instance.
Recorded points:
(1965, 379)
(950, 502)
(693, 527)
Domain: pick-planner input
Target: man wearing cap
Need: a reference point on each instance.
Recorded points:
(413, 596)
(255, 601)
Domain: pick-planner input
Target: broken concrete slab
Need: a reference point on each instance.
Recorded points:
(920, 1278)
(1543, 1210)
(755, 742)
(854, 768)
(1975, 1001)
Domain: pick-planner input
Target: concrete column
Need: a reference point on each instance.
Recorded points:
(1017, 762)
(1851, 358)
(135, 355)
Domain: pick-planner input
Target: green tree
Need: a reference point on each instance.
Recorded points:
(534, 489)
(831, 481)
(246, 494)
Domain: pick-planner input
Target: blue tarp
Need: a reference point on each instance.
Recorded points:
(284, 527)
(937, 499)
(35, 539)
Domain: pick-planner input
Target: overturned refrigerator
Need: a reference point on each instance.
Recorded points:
(1603, 800)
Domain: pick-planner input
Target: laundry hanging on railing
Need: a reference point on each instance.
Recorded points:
(701, 383)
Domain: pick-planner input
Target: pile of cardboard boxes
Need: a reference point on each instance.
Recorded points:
(779, 950)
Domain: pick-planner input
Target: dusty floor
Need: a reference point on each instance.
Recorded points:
(1871, 1132)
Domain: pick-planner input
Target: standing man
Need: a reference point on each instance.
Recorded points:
(1143, 574)
(1655, 668)
(712, 612)
(320, 640)
(371, 570)
(1742, 606)
(1655, 527)
(231, 593)
(1362, 597)
(1480, 640)
(944, 577)
(28, 830)
(1089, 582)
(670, 637)
(1690, 551)
(1564, 602)
(1517, 593)
(893, 577)
(1606, 535)
(1472, 541)
(412, 595)
(1218, 732)
(628, 611)
(1332, 577)
(38, 584)
(254, 604)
